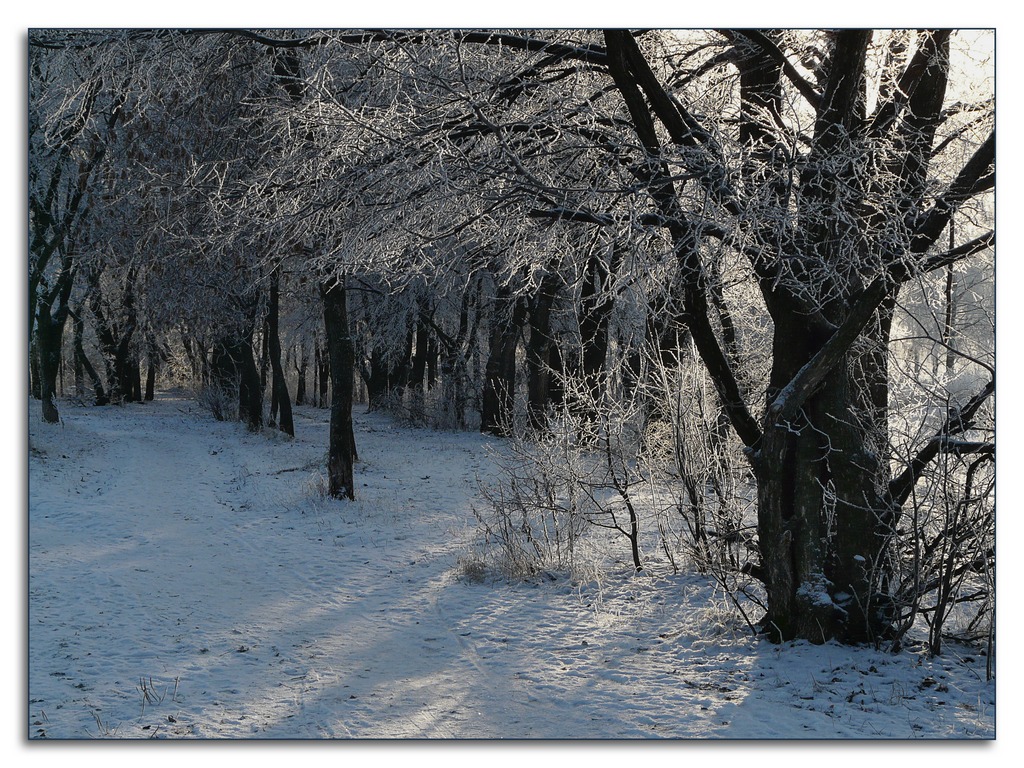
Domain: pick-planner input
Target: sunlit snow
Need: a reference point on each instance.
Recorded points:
(188, 579)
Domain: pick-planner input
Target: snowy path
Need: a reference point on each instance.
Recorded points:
(164, 552)
(187, 579)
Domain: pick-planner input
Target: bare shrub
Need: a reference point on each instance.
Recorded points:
(532, 521)
(711, 503)
(219, 401)
(945, 554)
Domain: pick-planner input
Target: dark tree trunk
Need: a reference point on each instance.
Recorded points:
(250, 389)
(35, 381)
(52, 310)
(52, 228)
(79, 370)
(300, 371)
(152, 363)
(115, 342)
(818, 469)
(596, 304)
(341, 353)
(822, 493)
(197, 361)
(433, 355)
(542, 357)
(497, 412)
(389, 371)
(234, 372)
(280, 387)
(818, 503)
(135, 374)
(418, 367)
(82, 364)
(378, 382)
(814, 479)
(323, 373)
(150, 381)
(418, 370)
(49, 332)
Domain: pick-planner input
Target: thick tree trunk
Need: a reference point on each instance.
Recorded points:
(115, 342)
(820, 459)
(233, 371)
(341, 353)
(52, 312)
(49, 331)
(35, 382)
(250, 389)
(817, 504)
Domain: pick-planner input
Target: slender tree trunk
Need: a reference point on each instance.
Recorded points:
(264, 358)
(433, 356)
(341, 353)
(595, 312)
(82, 361)
(152, 363)
(79, 371)
(135, 373)
(378, 383)
(300, 370)
(324, 373)
(497, 411)
(418, 368)
(541, 352)
(279, 387)
(150, 381)
(950, 310)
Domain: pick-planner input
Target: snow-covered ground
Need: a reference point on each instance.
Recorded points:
(188, 579)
